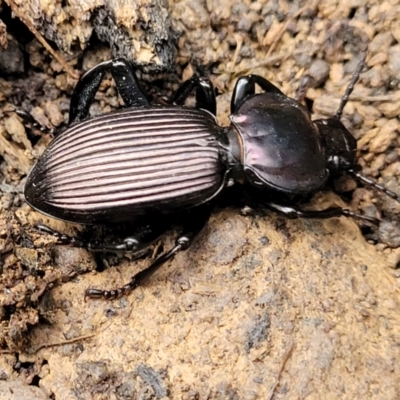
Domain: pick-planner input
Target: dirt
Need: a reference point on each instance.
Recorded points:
(261, 306)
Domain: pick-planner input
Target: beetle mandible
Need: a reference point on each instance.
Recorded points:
(159, 164)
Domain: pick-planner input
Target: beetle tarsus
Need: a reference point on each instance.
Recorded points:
(136, 280)
(304, 85)
(111, 294)
(30, 120)
(62, 238)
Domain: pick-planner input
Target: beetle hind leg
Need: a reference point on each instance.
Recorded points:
(88, 84)
(130, 244)
(139, 277)
(205, 93)
(84, 92)
(189, 233)
(127, 84)
(62, 238)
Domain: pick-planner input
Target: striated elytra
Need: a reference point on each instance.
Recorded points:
(133, 162)
(166, 165)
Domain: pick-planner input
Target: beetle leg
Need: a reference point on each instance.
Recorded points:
(89, 83)
(246, 86)
(85, 90)
(296, 212)
(205, 93)
(127, 84)
(189, 233)
(31, 121)
(130, 243)
(62, 238)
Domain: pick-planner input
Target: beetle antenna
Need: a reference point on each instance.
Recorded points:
(374, 184)
(350, 87)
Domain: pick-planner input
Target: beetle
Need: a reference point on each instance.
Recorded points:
(154, 165)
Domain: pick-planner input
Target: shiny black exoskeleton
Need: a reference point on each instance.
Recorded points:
(158, 164)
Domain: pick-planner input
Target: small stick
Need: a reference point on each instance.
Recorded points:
(42, 40)
(63, 342)
(46, 345)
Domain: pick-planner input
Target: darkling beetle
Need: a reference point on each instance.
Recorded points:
(160, 164)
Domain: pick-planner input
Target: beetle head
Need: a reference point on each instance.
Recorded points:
(339, 144)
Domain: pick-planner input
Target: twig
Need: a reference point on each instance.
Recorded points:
(42, 346)
(62, 343)
(42, 40)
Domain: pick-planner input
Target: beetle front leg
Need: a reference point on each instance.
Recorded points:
(189, 233)
(296, 212)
